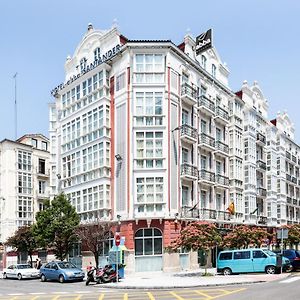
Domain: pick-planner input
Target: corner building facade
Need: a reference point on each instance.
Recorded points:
(139, 134)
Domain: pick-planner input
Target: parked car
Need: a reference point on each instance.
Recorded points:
(20, 271)
(249, 260)
(293, 255)
(61, 271)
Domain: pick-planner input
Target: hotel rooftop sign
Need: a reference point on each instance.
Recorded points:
(203, 41)
(87, 68)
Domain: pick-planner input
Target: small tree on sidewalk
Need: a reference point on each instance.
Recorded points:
(198, 235)
(93, 235)
(23, 240)
(242, 236)
(293, 235)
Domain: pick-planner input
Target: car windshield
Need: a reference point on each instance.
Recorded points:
(23, 266)
(66, 265)
(270, 253)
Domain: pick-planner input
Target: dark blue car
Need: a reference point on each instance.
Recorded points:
(61, 271)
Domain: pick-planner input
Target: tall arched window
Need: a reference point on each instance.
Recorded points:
(203, 61)
(213, 70)
(97, 53)
(148, 241)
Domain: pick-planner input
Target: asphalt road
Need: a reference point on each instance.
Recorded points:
(288, 288)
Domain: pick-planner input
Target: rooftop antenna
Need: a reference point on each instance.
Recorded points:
(16, 117)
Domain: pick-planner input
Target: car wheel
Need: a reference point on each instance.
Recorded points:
(270, 270)
(61, 279)
(43, 278)
(19, 276)
(4, 276)
(227, 271)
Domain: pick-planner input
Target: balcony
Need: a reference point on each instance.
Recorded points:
(262, 220)
(222, 180)
(223, 216)
(261, 192)
(208, 214)
(294, 159)
(148, 210)
(206, 105)
(188, 94)
(288, 155)
(294, 180)
(261, 139)
(188, 133)
(188, 172)
(295, 202)
(222, 148)
(288, 177)
(42, 173)
(206, 141)
(222, 115)
(189, 212)
(206, 176)
(289, 200)
(261, 164)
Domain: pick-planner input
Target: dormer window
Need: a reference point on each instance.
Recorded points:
(97, 53)
(82, 64)
(203, 61)
(213, 70)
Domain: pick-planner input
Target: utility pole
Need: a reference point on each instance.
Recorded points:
(16, 114)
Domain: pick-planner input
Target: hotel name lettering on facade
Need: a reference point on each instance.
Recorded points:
(101, 59)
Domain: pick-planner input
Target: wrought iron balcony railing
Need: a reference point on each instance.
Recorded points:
(223, 180)
(188, 170)
(222, 113)
(222, 147)
(188, 130)
(207, 139)
(207, 175)
(188, 90)
(203, 101)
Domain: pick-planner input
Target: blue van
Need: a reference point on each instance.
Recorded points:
(249, 260)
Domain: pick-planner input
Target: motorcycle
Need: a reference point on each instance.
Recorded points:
(107, 274)
(101, 275)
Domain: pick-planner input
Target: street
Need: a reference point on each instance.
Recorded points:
(287, 288)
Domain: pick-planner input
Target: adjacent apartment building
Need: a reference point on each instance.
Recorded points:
(24, 181)
(148, 133)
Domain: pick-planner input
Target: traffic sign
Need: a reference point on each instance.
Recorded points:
(117, 239)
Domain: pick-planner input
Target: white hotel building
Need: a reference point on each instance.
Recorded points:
(149, 133)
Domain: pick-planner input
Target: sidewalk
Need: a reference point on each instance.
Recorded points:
(160, 280)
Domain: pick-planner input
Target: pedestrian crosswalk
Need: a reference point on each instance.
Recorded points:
(289, 280)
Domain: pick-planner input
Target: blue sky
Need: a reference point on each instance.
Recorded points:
(258, 39)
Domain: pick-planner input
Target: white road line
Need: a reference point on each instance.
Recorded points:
(16, 294)
(83, 292)
(37, 293)
(60, 293)
(290, 280)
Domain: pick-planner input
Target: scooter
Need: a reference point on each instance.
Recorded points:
(93, 275)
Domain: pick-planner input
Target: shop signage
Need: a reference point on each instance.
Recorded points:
(88, 67)
(203, 41)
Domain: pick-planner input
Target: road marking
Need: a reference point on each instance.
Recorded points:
(228, 293)
(78, 297)
(55, 298)
(125, 296)
(37, 293)
(290, 280)
(176, 296)
(83, 292)
(204, 294)
(101, 297)
(16, 294)
(150, 296)
(34, 298)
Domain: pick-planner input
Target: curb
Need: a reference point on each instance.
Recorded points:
(173, 286)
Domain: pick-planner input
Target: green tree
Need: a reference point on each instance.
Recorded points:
(56, 225)
(23, 240)
(94, 236)
(198, 235)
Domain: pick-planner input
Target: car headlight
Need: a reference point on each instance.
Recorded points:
(69, 273)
